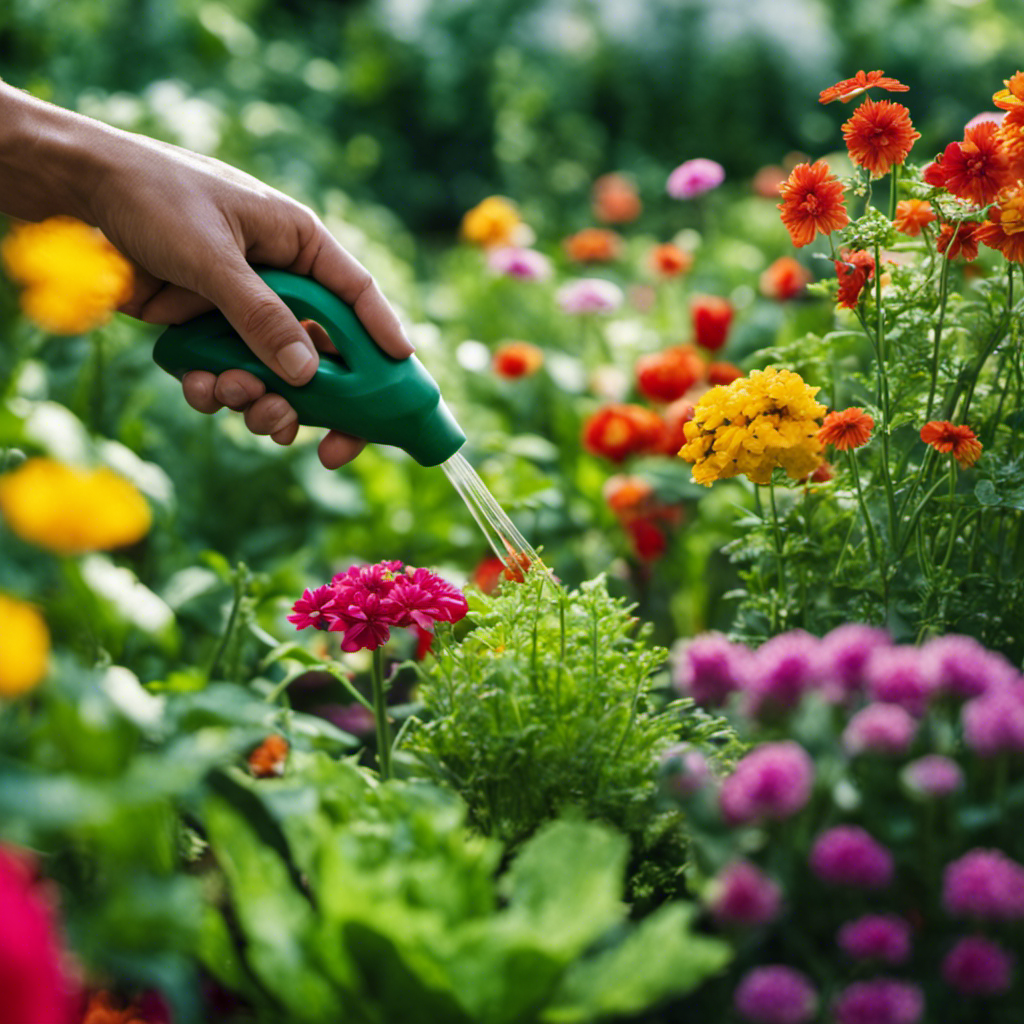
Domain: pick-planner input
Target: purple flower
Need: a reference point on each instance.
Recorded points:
(876, 937)
(694, 178)
(984, 884)
(743, 894)
(589, 295)
(525, 264)
(879, 729)
(879, 1001)
(847, 855)
(933, 775)
(781, 672)
(311, 609)
(352, 718)
(709, 668)
(977, 967)
(685, 769)
(895, 675)
(994, 722)
(962, 667)
(843, 653)
(773, 781)
(774, 994)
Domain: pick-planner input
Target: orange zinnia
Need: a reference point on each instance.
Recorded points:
(912, 215)
(1013, 95)
(615, 200)
(879, 134)
(944, 437)
(723, 373)
(1011, 134)
(784, 279)
(976, 169)
(268, 759)
(959, 239)
(593, 245)
(854, 270)
(669, 260)
(618, 431)
(812, 202)
(515, 359)
(861, 82)
(628, 496)
(847, 429)
(1004, 229)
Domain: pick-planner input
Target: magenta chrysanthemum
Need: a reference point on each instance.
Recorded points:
(962, 667)
(895, 675)
(994, 722)
(774, 994)
(976, 966)
(879, 729)
(782, 671)
(743, 894)
(772, 782)
(884, 937)
(312, 609)
(879, 1001)
(984, 884)
(847, 855)
(709, 668)
(933, 776)
(844, 652)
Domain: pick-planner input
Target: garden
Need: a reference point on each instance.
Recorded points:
(677, 601)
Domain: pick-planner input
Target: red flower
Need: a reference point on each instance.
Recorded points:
(861, 82)
(976, 169)
(312, 609)
(363, 620)
(723, 373)
(959, 239)
(945, 437)
(618, 431)
(879, 134)
(912, 215)
(516, 359)
(667, 375)
(854, 270)
(615, 199)
(812, 202)
(628, 496)
(669, 260)
(648, 540)
(847, 429)
(676, 416)
(712, 316)
(1004, 229)
(593, 245)
(785, 279)
(268, 759)
(422, 598)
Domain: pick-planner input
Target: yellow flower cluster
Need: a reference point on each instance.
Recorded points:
(72, 278)
(24, 647)
(492, 222)
(752, 425)
(70, 511)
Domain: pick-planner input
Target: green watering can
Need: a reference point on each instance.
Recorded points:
(362, 391)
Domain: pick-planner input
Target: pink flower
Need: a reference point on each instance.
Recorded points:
(694, 178)
(984, 884)
(773, 781)
(311, 609)
(774, 994)
(847, 855)
(844, 653)
(932, 775)
(525, 264)
(364, 621)
(879, 729)
(589, 295)
(709, 668)
(449, 602)
(781, 672)
(34, 982)
(962, 667)
(879, 1001)
(976, 966)
(896, 675)
(743, 894)
(876, 937)
(994, 722)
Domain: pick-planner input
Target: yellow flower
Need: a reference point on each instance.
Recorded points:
(72, 278)
(70, 511)
(24, 647)
(491, 223)
(752, 425)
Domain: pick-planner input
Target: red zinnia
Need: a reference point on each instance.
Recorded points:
(711, 316)
(784, 279)
(861, 82)
(812, 202)
(618, 431)
(668, 260)
(516, 359)
(976, 169)
(879, 134)
(647, 539)
(313, 608)
(912, 215)
(676, 416)
(959, 240)
(854, 270)
(944, 437)
(668, 375)
(1004, 229)
(628, 496)
(847, 429)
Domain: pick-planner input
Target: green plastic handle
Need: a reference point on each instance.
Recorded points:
(363, 391)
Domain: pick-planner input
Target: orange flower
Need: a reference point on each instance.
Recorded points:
(723, 373)
(912, 215)
(515, 359)
(669, 260)
(1013, 95)
(861, 82)
(784, 279)
(492, 222)
(491, 572)
(1004, 229)
(711, 317)
(854, 270)
(768, 181)
(847, 429)
(959, 239)
(618, 431)
(101, 1010)
(812, 202)
(593, 245)
(615, 199)
(676, 415)
(668, 375)
(628, 496)
(944, 437)
(976, 169)
(1011, 134)
(821, 475)
(879, 134)
(267, 760)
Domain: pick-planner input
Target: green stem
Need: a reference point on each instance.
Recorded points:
(954, 512)
(780, 564)
(894, 179)
(241, 586)
(869, 527)
(990, 347)
(380, 715)
(943, 295)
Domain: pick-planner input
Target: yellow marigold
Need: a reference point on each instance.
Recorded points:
(24, 647)
(70, 511)
(72, 278)
(752, 425)
(491, 222)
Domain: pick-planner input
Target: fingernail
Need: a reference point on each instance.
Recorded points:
(296, 359)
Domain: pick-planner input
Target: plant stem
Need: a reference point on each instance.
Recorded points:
(894, 179)
(869, 528)
(241, 586)
(943, 295)
(380, 715)
(780, 564)
(990, 347)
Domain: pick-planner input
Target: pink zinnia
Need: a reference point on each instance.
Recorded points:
(525, 264)
(772, 782)
(449, 602)
(694, 178)
(932, 776)
(883, 937)
(976, 966)
(879, 729)
(994, 722)
(984, 884)
(312, 608)
(743, 894)
(34, 982)
(847, 855)
(844, 652)
(896, 675)
(879, 1001)
(781, 672)
(589, 295)
(709, 668)
(775, 994)
(364, 620)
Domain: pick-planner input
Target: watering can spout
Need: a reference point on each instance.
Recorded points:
(438, 438)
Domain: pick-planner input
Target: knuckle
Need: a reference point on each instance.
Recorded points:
(260, 317)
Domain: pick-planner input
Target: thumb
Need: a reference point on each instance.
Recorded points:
(265, 323)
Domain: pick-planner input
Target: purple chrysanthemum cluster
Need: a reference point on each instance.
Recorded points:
(365, 601)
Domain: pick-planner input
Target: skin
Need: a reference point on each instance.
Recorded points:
(191, 226)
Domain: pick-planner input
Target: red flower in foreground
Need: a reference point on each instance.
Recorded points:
(812, 202)
(847, 429)
(913, 215)
(785, 279)
(879, 134)
(854, 270)
(618, 431)
(711, 316)
(1004, 229)
(945, 437)
(516, 359)
(667, 375)
(959, 239)
(976, 169)
(861, 82)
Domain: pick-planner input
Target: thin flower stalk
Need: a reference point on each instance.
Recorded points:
(380, 714)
